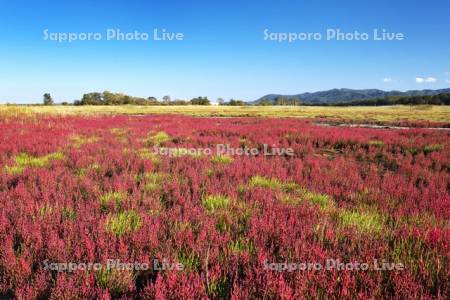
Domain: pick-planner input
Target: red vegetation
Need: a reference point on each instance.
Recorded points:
(78, 189)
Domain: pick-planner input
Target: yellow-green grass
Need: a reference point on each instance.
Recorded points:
(77, 140)
(24, 160)
(68, 213)
(322, 200)
(241, 245)
(222, 159)
(45, 209)
(124, 222)
(264, 182)
(154, 181)
(180, 152)
(363, 221)
(435, 113)
(378, 144)
(118, 131)
(189, 260)
(115, 280)
(111, 197)
(215, 202)
(147, 154)
(292, 192)
(157, 138)
(432, 148)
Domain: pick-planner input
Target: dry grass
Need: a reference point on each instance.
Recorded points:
(381, 113)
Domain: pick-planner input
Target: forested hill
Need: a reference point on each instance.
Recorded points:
(343, 95)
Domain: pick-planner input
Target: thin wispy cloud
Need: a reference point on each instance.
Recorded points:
(447, 73)
(426, 79)
(387, 80)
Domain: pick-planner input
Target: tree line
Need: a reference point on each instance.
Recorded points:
(281, 100)
(108, 98)
(439, 99)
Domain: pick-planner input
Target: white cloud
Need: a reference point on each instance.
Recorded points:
(387, 80)
(425, 80)
(447, 73)
(447, 80)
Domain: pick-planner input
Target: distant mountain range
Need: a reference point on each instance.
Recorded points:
(347, 95)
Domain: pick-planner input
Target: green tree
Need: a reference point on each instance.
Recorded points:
(200, 101)
(92, 99)
(48, 100)
(236, 103)
(152, 100)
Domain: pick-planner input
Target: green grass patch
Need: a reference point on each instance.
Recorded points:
(432, 148)
(264, 182)
(290, 187)
(79, 140)
(68, 213)
(377, 144)
(124, 222)
(322, 200)
(209, 173)
(14, 170)
(118, 131)
(45, 210)
(219, 288)
(157, 139)
(420, 258)
(154, 181)
(222, 159)
(117, 281)
(241, 246)
(368, 222)
(112, 197)
(24, 160)
(273, 184)
(190, 261)
(81, 172)
(215, 202)
(291, 199)
(292, 192)
(146, 154)
(301, 194)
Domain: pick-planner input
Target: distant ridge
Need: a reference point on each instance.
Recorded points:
(347, 95)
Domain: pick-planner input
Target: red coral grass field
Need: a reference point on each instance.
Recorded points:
(77, 192)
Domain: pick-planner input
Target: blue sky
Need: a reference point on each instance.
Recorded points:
(223, 53)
